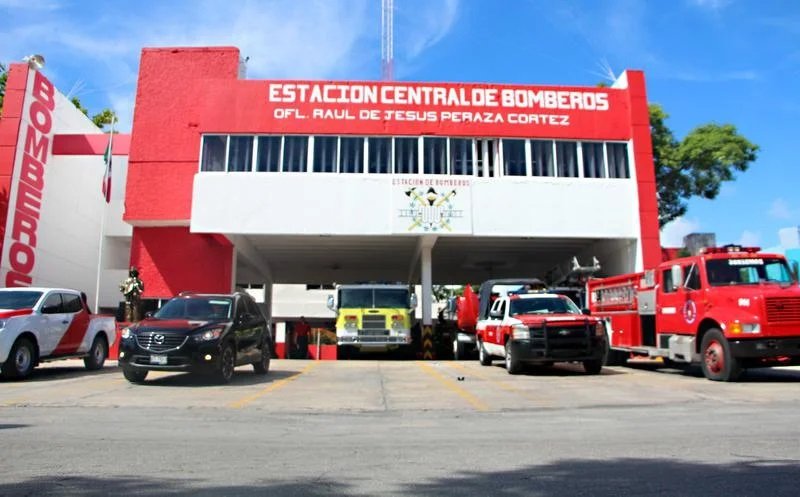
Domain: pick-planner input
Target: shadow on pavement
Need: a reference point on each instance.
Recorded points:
(50, 373)
(241, 377)
(640, 477)
(559, 369)
(12, 426)
(752, 375)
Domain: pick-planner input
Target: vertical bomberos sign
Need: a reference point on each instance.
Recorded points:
(33, 152)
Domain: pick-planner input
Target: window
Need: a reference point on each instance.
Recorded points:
(668, 284)
(692, 277)
(52, 304)
(618, 160)
(213, 153)
(514, 158)
(435, 155)
(323, 286)
(351, 159)
(406, 156)
(567, 159)
(71, 303)
(541, 158)
(380, 160)
(325, 154)
(240, 154)
(593, 160)
(269, 154)
(461, 156)
(295, 154)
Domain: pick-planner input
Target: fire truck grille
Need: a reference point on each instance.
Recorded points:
(373, 333)
(374, 322)
(157, 341)
(783, 309)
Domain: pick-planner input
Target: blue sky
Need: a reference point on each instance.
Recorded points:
(726, 61)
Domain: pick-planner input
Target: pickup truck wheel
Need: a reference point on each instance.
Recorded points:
(20, 360)
(593, 366)
(262, 366)
(716, 359)
(513, 366)
(483, 356)
(134, 375)
(227, 363)
(459, 351)
(97, 354)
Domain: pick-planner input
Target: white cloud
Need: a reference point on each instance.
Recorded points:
(673, 232)
(780, 209)
(749, 239)
(315, 39)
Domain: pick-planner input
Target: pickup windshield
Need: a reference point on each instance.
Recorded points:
(196, 309)
(747, 271)
(372, 298)
(543, 305)
(23, 299)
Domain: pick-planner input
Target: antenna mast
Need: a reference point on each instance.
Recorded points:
(387, 40)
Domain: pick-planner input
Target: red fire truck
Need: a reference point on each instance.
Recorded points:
(728, 309)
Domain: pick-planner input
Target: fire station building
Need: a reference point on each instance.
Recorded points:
(226, 181)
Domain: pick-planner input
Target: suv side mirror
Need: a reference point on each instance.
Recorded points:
(586, 311)
(148, 314)
(331, 303)
(412, 301)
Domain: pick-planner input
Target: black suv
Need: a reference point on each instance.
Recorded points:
(210, 334)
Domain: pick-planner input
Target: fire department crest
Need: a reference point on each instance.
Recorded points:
(430, 210)
(690, 311)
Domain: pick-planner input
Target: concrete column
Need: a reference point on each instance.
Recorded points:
(427, 301)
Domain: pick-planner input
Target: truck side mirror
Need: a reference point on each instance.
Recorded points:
(412, 301)
(586, 311)
(677, 277)
(331, 303)
(496, 314)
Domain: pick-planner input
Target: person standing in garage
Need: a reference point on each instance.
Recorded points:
(301, 332)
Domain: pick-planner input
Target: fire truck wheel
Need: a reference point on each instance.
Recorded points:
(513, 366)
(716, 360)
(21, 359)
(483, 356)
(593, 366)
(97, 354)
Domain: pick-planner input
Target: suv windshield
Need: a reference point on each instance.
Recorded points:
(196, 309)
(747, 271)
(543, 305)
(372, 297)
(19, 300)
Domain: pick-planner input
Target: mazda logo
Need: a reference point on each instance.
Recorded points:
(563, 333)
(158, 339)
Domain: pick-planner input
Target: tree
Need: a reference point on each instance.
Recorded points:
(696, 165)
(3, 79)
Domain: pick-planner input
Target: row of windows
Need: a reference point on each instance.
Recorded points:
(415, 155)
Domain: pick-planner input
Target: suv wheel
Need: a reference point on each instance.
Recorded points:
(227, 363)
(483, 356)
(262, 366)
(134, 375)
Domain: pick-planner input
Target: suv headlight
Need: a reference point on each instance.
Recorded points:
(520, 332)
(126, 333)
(599, 329)
(208, 335)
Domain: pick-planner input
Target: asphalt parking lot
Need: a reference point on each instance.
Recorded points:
(374, 385)
(371, 427)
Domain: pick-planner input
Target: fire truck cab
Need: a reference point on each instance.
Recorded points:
(727, 309)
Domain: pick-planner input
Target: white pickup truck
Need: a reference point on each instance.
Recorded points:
(43, 324)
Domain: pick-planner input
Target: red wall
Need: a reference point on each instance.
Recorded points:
(173, 260)
(645, 170)
(9, 133)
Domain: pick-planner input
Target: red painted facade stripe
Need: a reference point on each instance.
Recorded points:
(90, 144)
(10, 122)
(73, 337)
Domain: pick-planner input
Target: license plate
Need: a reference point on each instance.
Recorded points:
(158, 359)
